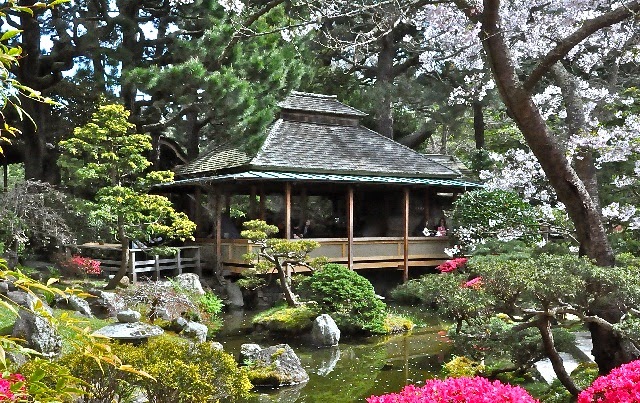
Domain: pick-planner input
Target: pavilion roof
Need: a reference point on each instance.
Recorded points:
(319, 134)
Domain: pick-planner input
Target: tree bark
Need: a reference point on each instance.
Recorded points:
(289, 296)
(384, 81)
(124, 257)
(544, 326)
(576, 125)
(571, 191)
(478, 125)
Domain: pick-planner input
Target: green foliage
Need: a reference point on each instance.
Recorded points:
(180, 372)
(483, 214)
(460, 366)
(347, 296)
(106, 162)
(286, 319)
(211, 303)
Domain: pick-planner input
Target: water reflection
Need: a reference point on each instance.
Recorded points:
(355, 369)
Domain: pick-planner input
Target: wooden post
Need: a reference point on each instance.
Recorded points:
(303, 206)
(218, 218)
(179, 261)
(287, 210)
(427, 205)
(405, 272)
(350, 227)
(198, 206)
(156, 265)
(132, 266)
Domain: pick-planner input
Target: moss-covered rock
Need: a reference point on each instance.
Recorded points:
(276, 366)
(284, 319)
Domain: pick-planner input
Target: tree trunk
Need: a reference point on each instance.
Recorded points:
(289, 296)
(384, 82)
(124, 257)
(478, 125)
(571, 191)
(544, 326)
(584, 163)
(583, 210)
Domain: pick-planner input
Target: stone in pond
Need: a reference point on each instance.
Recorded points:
(277, 366)
(129, 331)
(325, 332)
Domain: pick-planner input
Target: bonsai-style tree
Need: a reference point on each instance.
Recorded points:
(276, 255)
(105, 161)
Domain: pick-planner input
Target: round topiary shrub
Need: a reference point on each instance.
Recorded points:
(347, 296)
(459, 390)
(622, 385)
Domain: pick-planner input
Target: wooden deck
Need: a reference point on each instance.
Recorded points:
(368, 253)
(140, 262)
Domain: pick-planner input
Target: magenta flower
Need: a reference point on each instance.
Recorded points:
(622, 385)
(475, 283)
(452, 264)
(458, 390)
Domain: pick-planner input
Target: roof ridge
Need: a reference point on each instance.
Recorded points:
(271, 129)
(410, 149)
(312, 94)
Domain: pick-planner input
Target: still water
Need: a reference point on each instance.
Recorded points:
(354, 370)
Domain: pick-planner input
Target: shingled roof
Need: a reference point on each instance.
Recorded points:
(306, 139)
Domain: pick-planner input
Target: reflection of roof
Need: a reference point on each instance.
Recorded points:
(315, 137)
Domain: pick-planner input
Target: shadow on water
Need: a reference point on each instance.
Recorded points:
(352, 371)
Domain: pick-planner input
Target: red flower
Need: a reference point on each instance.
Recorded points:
(452, 264)
(474, 283)
(6, 384)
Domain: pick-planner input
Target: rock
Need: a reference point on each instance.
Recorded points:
(196, 331)
(162, 313)
(179, 324)
(189, 282)
(124, 282)
(28, 301)
(217, 345)
(325, 332)
(4, 287)
(74, 303)
(277, 366)
(105, 304)
(248, 352)
(234, 296)
(128, 316)
(38, 333)
(129, 331)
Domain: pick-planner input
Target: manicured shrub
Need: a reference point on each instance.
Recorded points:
(186, 373)
(347, 296)
(459, 390)
(622, 385)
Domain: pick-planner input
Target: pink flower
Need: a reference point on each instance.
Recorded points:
(452, 264)
(83, 265)
(6, 384)
(622, 385)
(475, 283)
(457, 390)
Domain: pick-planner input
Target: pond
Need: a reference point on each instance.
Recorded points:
(354, 370)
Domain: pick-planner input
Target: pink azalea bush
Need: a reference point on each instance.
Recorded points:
(8, 390)
(622, 385)
(79, 265)
(452, 264)
(458, 390)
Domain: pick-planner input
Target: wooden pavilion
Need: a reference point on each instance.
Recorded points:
(318, 173)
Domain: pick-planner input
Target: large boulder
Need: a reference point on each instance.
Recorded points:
(74, 303)
(196, 331)
(248, 352)
(28, 301)
(276, 366)
(105, 304)
(325, 332)
(38, 333)
(134, 332)
(189, 282)
(235, 299)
